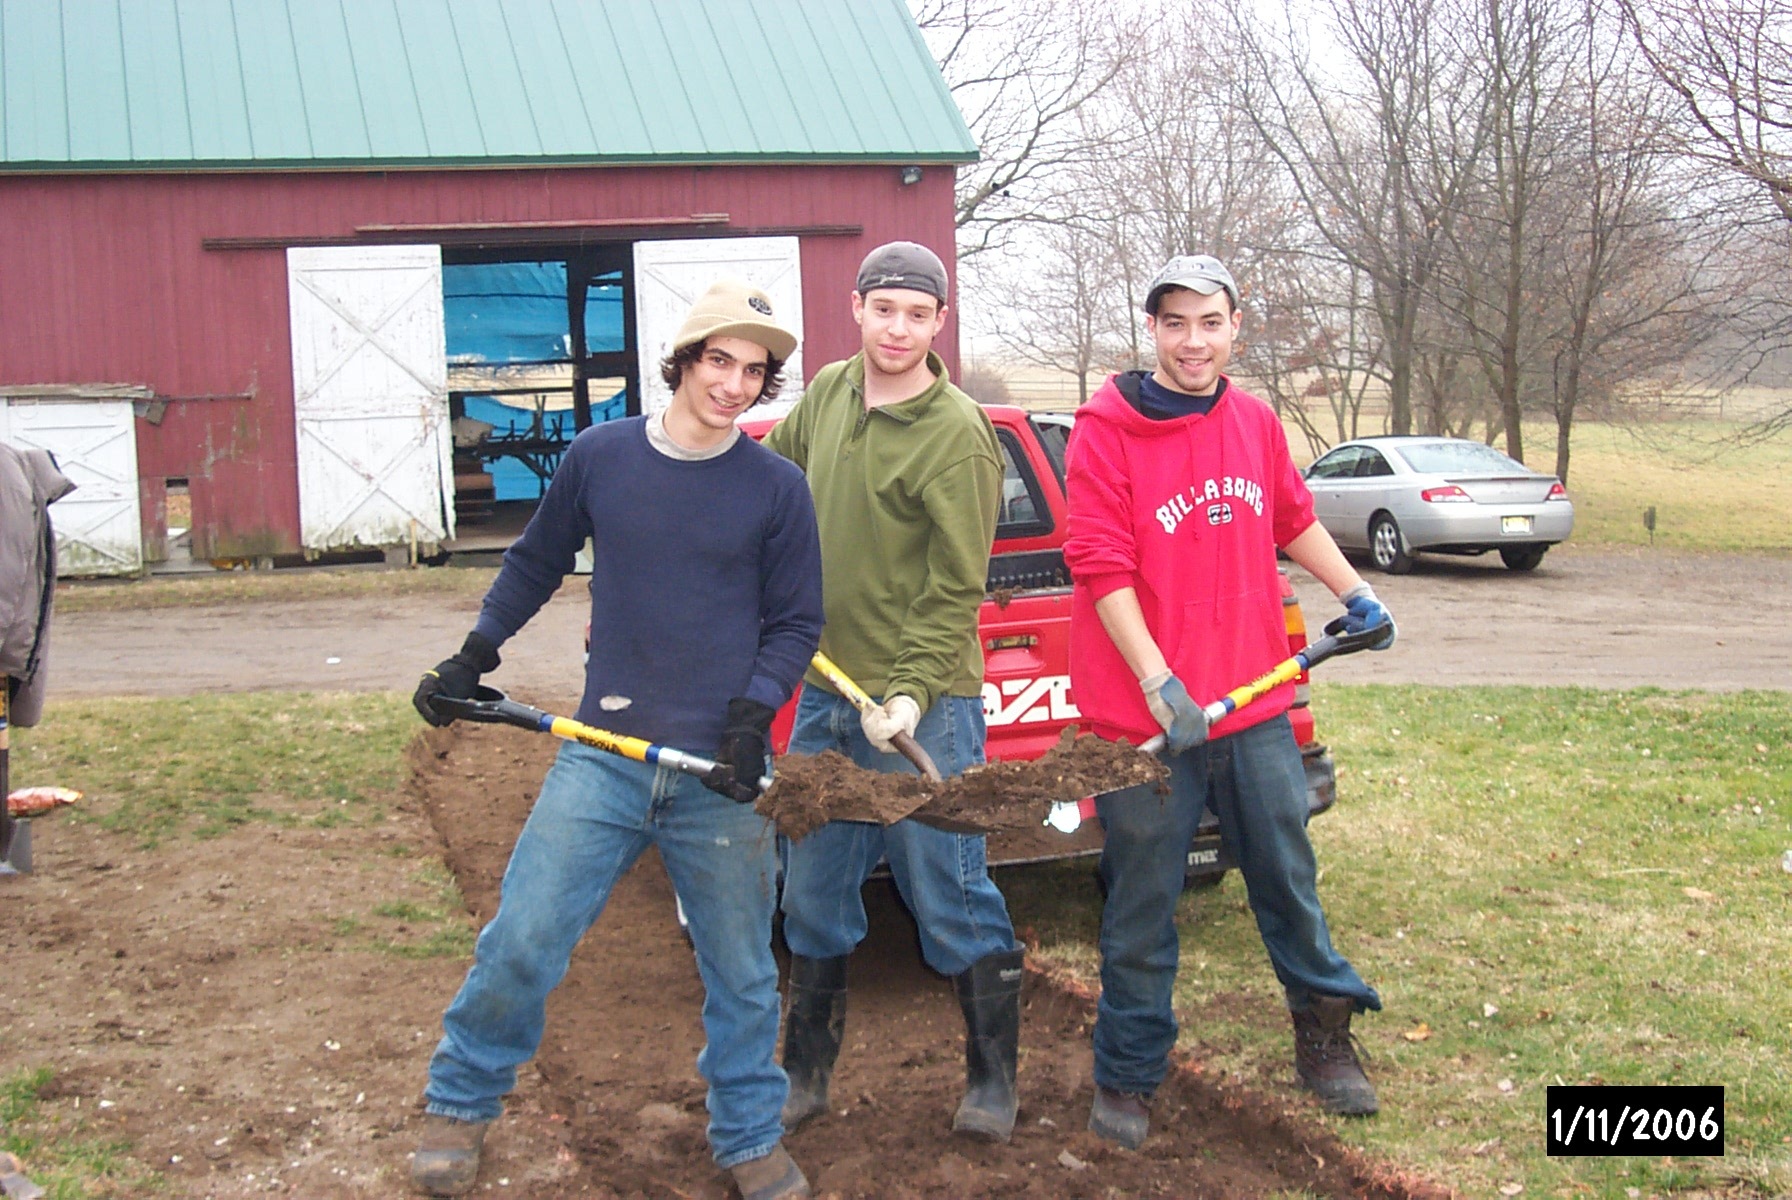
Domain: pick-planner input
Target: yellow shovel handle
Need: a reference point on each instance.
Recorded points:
(842, 682)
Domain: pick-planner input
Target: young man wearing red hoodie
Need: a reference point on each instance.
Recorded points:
(1181, 491)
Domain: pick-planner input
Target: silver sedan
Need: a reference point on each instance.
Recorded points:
(1396, 496)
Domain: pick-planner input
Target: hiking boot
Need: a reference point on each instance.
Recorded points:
(989, 995)
(1325, 1058)
(1122, 1117)
(774, 1177)
(447, 1157)
(813, 1026)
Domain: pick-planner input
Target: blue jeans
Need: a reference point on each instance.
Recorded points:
(942, 877)
(596, 814)
(1254, 782)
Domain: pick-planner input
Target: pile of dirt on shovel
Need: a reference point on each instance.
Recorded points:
(810, 790)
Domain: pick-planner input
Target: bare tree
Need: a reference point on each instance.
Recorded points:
(1065, 306)
(1380, 156)
(1309, 352)
(1630, 287)
(1526, 44)
(1730, 63)
(1021, 72)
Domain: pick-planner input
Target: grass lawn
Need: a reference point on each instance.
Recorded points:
(1546, 886)
(161, 775)
(236, 587)
(1709, 491)
(200, 766)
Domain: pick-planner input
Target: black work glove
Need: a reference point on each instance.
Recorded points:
(745, 740)
(455, 677)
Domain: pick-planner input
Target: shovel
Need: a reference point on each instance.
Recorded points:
(1067, 817)
(903, 743)
(489, 706)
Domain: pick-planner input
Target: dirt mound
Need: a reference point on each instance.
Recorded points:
(810, 790)
(619, 1058)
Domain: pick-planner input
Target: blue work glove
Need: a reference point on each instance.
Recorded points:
(1184, 724)
(1363, 611)
(455, 677)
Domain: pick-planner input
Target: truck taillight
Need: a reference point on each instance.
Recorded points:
(1557, 491)
(1294, 622)
(1446, 495)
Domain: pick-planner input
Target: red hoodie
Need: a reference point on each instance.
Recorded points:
(1189, 512)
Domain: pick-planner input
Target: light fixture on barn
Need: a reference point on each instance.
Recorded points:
(910, 176)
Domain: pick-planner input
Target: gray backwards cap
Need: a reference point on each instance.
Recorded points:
(1197, 272)
(903, 265)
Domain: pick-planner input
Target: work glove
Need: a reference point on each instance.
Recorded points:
(1363, 611)
(745, 740)
(455, 677)
(881, 722)
(1184, 724)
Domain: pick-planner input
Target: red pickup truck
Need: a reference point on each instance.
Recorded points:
(1025, 625)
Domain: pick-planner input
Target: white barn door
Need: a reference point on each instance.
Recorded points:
(370, 396)
(98, 526)
(670, 275)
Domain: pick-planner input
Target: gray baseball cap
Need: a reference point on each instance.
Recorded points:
(903, 265)
(1197, 272)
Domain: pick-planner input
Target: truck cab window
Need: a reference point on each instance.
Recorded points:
(1024, 512)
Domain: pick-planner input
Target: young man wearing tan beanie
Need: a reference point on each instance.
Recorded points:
(705, 609)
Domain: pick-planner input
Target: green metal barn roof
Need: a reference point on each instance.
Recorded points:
(230, 84)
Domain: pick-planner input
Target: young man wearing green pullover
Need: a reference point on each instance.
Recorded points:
(907, 474)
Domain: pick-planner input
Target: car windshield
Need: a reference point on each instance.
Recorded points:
(1460, 458)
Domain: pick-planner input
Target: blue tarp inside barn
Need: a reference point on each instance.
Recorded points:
(515, 314)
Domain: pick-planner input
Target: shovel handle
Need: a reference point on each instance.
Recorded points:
(489, 706)
(1334, 644)
(1066, 816)
(855, 695)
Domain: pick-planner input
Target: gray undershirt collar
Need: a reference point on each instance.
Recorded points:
(660, 440)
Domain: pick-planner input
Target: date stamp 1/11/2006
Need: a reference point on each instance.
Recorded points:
(1585, 1120)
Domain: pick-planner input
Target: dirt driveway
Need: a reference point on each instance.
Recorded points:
(213, 1004)
(1601, 618)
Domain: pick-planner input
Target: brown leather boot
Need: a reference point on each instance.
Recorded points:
(1325, 1058)
(447, 1159)
(1120, 1117)
(774, 1177)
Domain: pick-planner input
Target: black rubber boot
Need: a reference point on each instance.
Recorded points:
(989, 994)
(814, 1023)
(1325, 1059)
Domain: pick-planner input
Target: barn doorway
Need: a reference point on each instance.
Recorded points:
(540, 346)
(544, 341)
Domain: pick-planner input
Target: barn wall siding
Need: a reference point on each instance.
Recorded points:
(108, 281)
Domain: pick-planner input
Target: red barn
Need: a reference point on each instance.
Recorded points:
(323, 278)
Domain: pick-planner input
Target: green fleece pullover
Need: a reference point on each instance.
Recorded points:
(906, 498)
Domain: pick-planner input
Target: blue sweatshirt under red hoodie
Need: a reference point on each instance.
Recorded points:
(1189, 512)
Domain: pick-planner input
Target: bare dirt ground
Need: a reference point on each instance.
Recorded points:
(224, 1006)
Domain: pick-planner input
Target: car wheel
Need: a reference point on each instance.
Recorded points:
(1386, 546)
(1522, 558)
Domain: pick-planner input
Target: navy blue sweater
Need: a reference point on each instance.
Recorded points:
(706, 581)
